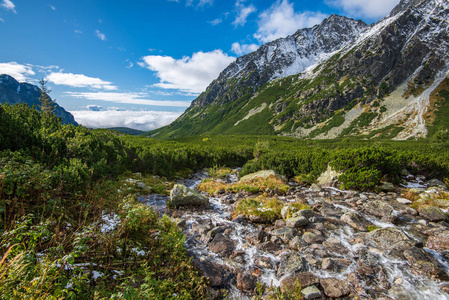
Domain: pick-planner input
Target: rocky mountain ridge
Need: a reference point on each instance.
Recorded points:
(385, 80)
(12, 92)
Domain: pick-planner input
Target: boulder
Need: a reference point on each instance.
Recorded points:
(433, 214)
(387, 187)
(297, 222)
(256, 237)
(311, 292)
(437, 183)
(218, 275)
(439, 242)
(222, 244)
(312, 238)
(355, 221)
(246, 282)
(263, 262)
(181, 195)
(404, 201)
(422, 262)
(306, 213)
(333, 245)
(390, 238)
(378, 208)
(329, 178)
(261, 174)
(335, 288)
(287, 211)
(291, 264)
(305, 279)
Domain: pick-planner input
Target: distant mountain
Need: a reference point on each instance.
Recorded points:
(127, 130)
(12, 92)
(339, 78)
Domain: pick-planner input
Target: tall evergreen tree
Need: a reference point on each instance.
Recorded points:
(47, 105)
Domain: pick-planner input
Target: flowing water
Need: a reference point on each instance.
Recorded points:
(397, 281)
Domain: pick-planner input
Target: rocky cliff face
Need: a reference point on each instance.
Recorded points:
(12, 92)
(338, 78)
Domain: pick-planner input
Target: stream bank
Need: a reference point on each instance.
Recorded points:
(348, 245)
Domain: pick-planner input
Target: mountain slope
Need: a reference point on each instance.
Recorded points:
(375, 82)
(12, 92)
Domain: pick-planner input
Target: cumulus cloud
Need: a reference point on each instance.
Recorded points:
(8, 5)
(243, 13)
(189, 74)
(100, 35)
(18, 71)
(372, 9)
(141, 120)
(241, 49)
(281, 20)
(79, 80)
(126, 98)
(94, 107)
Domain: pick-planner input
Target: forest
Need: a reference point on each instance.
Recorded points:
(70, 223)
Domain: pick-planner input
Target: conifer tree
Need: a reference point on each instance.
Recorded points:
(47, 105)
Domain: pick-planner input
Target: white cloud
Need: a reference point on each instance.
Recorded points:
(215, 22)
(94, 107)
(100, 35)
(77, 31)
(52, 7)
(18, 71)
(141, 120)
(204, 2)
(126, 98)
(8, 5)
(372, 9)
(281, 20)
(243, 13)
(189, 74)
(79, 80)
(2, 20)
(241, 49)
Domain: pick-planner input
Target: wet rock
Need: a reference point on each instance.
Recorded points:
(445, 287)
(404, 201)
(390, 219)
(333, 245)
(312, 238)
(378, 208)
(287, 211)
(391, 239)
(439, 242)
(291, 264)
(269, 247)
(285, 233)
(297, 243)
(433, 214)
(263, 262)
(335, 264)
(437, 183)
(297, 222)
(218, 275)
(410, 211)
(181, 195)
(258, 219)
(304, 279)
(355, 221)
(335, 288)
(246, 282)
(256, 237)
(222, 244)
(422, 262)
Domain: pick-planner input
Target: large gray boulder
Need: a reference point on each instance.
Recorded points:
(261, 174)
(181, 195)
(390, 238)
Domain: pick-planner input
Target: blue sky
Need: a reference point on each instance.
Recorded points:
(139, 63)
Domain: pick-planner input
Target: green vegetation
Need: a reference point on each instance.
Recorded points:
(70, 224)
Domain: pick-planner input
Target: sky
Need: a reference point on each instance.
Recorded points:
(140, 63)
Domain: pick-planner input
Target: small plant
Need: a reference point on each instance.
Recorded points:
(267, 208)
(371, 228)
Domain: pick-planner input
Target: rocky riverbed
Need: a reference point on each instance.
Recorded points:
(348, 245)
